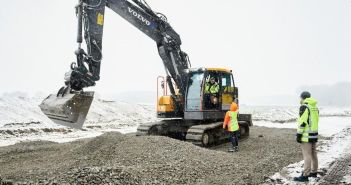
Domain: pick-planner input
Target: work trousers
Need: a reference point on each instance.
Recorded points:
(234, 138)
(310, 158)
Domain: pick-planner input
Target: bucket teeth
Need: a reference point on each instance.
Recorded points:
(69, 110)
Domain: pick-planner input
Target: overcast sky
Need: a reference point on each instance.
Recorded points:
(273, 46)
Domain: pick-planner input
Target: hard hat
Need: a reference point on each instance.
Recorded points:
(305, 94)
(233, 106)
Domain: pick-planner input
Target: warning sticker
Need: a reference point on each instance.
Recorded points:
(100, 19)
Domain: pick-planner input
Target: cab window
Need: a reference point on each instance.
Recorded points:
(194, 92)
(227, 83)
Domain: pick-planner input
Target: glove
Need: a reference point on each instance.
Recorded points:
(298, 138)
(225, 126)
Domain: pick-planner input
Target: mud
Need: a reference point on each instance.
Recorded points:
(114, 158)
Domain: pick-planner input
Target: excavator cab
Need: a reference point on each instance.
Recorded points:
(210, 91)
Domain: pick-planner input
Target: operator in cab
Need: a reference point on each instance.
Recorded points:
(211, 93)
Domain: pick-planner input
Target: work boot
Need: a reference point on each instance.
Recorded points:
(302, 178)
(313, 174)
(230, 149)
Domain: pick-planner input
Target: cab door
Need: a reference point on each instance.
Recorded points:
(228, 90)
(194, 92)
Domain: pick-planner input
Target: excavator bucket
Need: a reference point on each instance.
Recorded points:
(69, 110)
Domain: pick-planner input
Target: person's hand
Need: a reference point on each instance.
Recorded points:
(298, 140)
(215, 100)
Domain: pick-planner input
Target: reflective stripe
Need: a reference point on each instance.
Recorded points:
(313, 137)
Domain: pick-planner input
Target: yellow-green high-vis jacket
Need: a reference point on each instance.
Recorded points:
(307, 128)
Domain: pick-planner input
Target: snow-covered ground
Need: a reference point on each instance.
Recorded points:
(337, 144)
(22, 120)
(334, 127)
(287, 114)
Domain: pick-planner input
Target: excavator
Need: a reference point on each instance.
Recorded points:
(187, 112)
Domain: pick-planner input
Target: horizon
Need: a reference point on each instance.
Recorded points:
(321, 92)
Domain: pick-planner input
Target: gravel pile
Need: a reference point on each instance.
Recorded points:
(338, 171)
(90, 175)
(126, 159)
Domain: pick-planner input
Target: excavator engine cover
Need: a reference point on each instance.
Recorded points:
(69, 110)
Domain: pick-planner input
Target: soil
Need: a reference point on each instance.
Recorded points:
(114, 158)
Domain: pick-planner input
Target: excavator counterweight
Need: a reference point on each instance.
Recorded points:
(68, 110)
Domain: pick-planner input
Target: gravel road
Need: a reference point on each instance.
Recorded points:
(114, 158)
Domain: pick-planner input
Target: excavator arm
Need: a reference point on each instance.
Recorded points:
(86, 71)
(71, 104)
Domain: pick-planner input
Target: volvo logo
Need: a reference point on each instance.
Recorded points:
(140, 17)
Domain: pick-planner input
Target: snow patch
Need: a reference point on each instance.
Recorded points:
(22, 120)
(347, 178)
(289, 114)
(328, 126)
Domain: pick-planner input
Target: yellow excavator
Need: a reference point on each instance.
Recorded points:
(189, 111)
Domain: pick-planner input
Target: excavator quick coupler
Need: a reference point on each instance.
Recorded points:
(68, 109)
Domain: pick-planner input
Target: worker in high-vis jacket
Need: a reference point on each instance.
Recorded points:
(231, 124)
(307, 135)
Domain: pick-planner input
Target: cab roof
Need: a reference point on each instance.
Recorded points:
(211, 69)
(219, 69)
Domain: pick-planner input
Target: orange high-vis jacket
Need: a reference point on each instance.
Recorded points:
(227, 121)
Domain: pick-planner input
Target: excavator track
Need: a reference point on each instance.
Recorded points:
(145, 129)
(205, 134)
(200, 134)
(208, 134)
(172, 128)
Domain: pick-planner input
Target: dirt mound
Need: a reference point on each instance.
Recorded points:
(126, 159)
